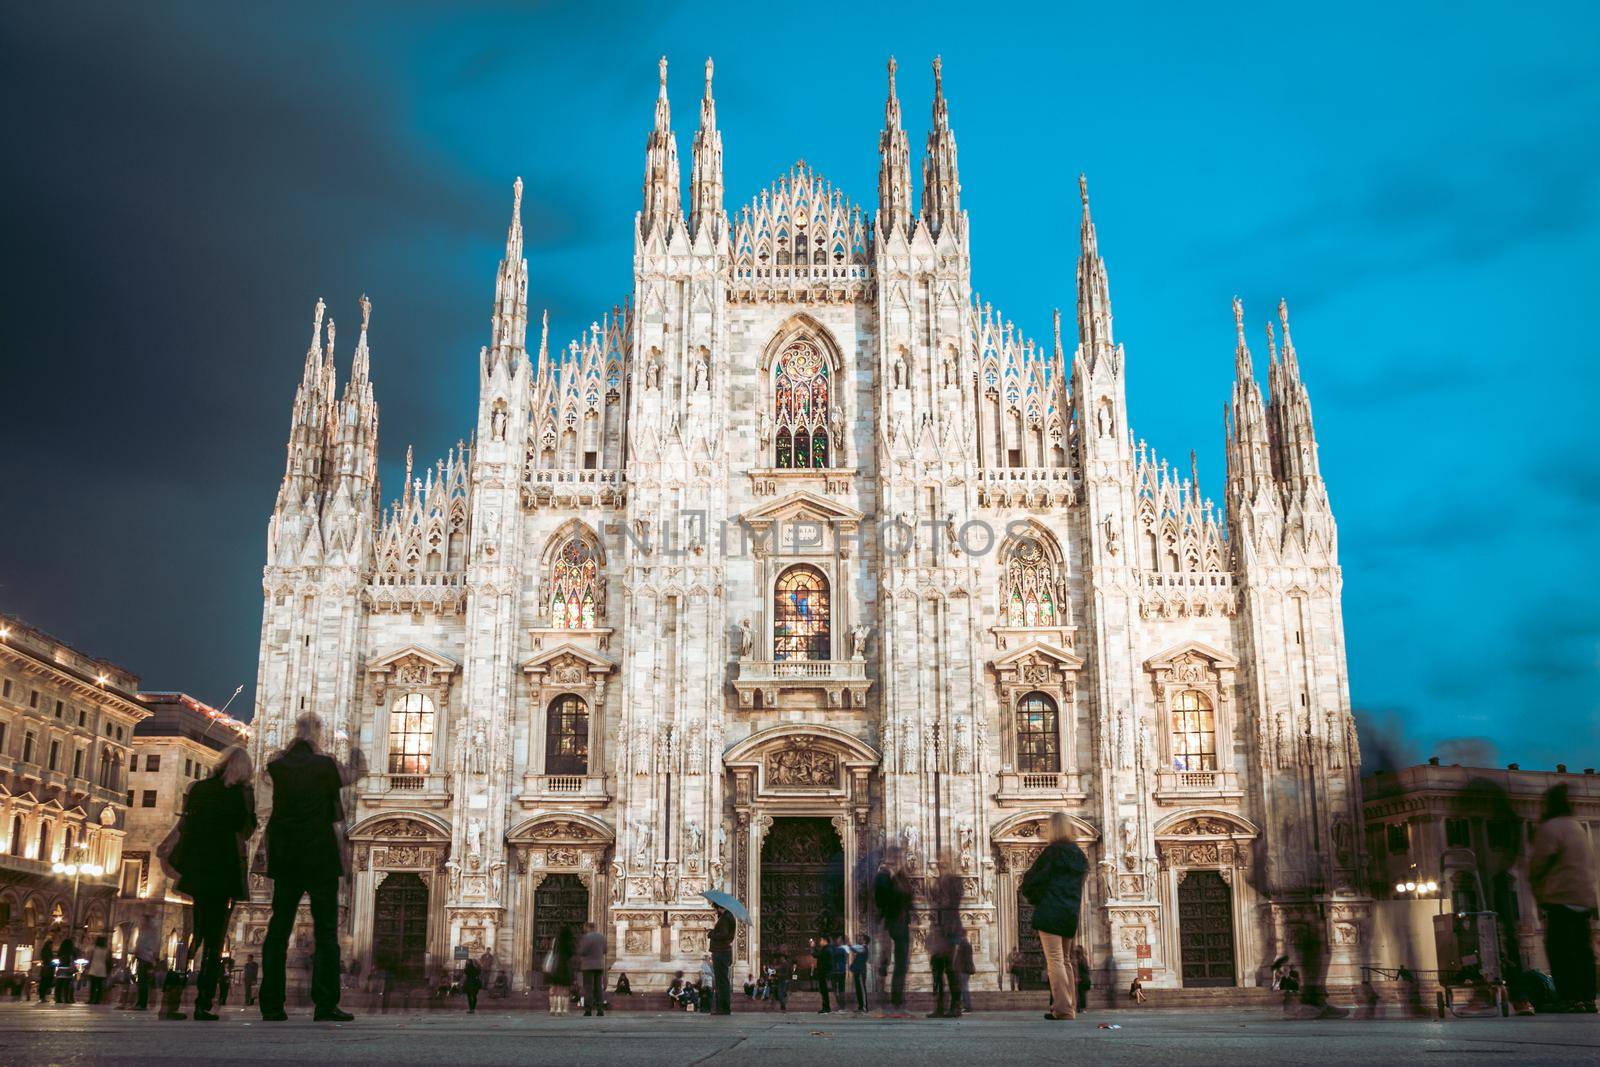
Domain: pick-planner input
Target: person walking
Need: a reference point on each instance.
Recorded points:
(251, 970)
(781, 978)
(66, 970)
(47, 970)
(944, 932)
(471, 984)
(858, 972)
(98, 969)
(721, 942)
(225, 982)
(1561, 872)
(1080, 967)
(891, 894)
(965, 967)
(304, 858)
(705, 987)
(1014, 968)
(1054, 886)
(822, 970)
(204, 857)
(146, 947)
(592, 962)
(558, 978)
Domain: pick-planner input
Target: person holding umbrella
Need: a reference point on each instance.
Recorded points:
(729, 912)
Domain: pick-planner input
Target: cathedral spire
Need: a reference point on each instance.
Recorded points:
(663, 206)
(361, 364)
(1290, 409)
(894, 166)
(1249, 440)
(941, 185)
(1094, 292)
(705, 188)
(509, 324)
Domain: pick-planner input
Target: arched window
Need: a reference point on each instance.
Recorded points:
(801, 388)
(800, 615)
(1028, 597)
(566, 736)
(574, 585)
(1038, 735)
(411, 725)
(1194, 732)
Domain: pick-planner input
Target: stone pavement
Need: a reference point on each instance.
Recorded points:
(78, 1034)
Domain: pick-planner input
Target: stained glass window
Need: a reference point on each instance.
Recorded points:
(1029, 593)
(411, 735)
(800, 616)
(801, 385)
(1194, 732)
(566, 738)
(573, 582)
(1038, 735)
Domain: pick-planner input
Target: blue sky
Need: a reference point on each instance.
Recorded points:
(1419, 181)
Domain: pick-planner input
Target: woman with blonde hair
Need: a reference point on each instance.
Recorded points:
(205, 856)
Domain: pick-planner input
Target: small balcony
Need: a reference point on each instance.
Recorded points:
(581, 790)
(1032, 786)
(844, 681)
(1185, 787)
(412, 790)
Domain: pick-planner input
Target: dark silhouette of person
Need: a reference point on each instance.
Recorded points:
(304, 858)
(47, 970)
(944, 934)
(891, 893)
(822, 969)
(204, 857)
(592, 962)
(471, 984)
(251, 971)
(624, 987)
(66, 970)
(721, 941)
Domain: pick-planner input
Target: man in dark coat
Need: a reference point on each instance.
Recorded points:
(822, 969)
(304, 857)
(891, 892)
(1054, 886)
(721, 960)
(944, 934)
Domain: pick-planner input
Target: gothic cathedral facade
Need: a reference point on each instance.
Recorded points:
(800, 553)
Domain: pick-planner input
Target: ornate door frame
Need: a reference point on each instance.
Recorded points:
(565, 842)
(398, 841)
(1207, 839)
(795, 769)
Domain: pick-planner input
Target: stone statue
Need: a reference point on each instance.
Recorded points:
(701, 372)
(474, 837)
(497, 872)
(694, 837)
(860, 633)
(747, 639)
(497, 424)
(641, 850)
(1130, 843)
(764, 429)
(899, 370)
(836, 427)
(619, 884)
(478, 754)
(455, 877)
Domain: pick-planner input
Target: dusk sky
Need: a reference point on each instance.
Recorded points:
(1421, 182)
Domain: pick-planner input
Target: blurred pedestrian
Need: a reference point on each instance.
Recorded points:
(858, 971)
(47, 970)
(99, 967)
(305, 858)
(1080, 966)
(1561, 871)
(841, 967)
(471, 983)
(944, 933)
(1014, 968)
(225, 981)
(891, 894)
(66, 970)
(558, 976)
(965, 967)
(204, 858)
(721, 942)
(822, 970)
(146, 949)
(1054, 886)
(251, 970)
(592, 961)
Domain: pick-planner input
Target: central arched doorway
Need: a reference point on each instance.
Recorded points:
(562, 900)
(1030, 968)
(400, 925)
(1205, 928)
(802, 887)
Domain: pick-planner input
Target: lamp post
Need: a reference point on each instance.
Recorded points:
(77, 871)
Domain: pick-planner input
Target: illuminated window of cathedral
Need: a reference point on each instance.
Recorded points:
(1029, 591)
(1038, 735)
(411, 724)
(1194, 732)
(801, 385)
(566, 739)
(800, 615)
(574, 581)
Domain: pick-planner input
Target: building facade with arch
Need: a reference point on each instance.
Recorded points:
(801, 552)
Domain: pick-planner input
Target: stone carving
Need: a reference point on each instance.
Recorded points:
(401, 828)
(562, 857)
(859, 636)
(641, 848)
(964, 845)
(799, 765)
(694, 837)
(1130, 843)
(747, 639)
(562, 831)
(1202, 826)
(619, 883)
(478, 753)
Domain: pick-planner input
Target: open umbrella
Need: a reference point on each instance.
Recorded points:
(728, 903)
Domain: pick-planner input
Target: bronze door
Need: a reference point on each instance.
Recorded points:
(561, 900)
(1032, 975)
(1205, 929)
(400, 925)
(802, 888)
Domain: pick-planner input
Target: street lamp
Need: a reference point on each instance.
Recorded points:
(77, 871)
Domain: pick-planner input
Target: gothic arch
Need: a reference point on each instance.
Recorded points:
(751, 747)
(567, 530)
(1016, 827)
(1033, 578)
(1193, 823)
(428, 827)
(798, 325)
(588, 827)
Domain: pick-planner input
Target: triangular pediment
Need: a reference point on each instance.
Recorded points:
(1023, 653)
(593, 662)
(1164, 660)
(437, 661)
(801, 506)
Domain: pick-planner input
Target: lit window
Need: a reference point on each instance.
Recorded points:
(574, 583)
(1038, 735)
(1194, 733)
(1029, 590)
(800, 398)
(566, 739)
(411, 726)
(800, 624)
